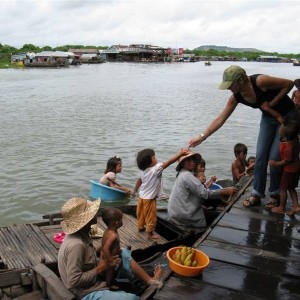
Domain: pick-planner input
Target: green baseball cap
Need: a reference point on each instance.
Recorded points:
(230, 75)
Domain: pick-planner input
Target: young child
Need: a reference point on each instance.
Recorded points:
(239, 166)
(200, 174)
(149, 185)
(296, 94)
(251, 164)
(113, 166)
(289, 153)
(112, 217)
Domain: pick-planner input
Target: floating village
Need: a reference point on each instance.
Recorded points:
(124, 53)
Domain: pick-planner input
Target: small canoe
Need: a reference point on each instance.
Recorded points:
(106, 193)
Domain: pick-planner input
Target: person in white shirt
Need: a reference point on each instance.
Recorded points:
(149, 185)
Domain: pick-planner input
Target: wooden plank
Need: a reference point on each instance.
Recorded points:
(54, 286)
(287, 229)
(175, 288)
(35, 295)
(10, 278)
(282, 245)
(246, 281)
(256, 259)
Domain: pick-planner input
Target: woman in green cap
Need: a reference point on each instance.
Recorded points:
(270, 95)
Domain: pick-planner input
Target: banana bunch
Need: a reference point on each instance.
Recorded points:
(185, 257)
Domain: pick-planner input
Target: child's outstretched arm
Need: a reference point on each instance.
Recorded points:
(115, 185)
(274, 163)
(170, 161)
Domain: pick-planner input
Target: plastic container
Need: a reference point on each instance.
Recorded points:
(201, 257)
(106, 193)
(215, 186)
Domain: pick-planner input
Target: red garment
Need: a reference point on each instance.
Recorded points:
(289, 151)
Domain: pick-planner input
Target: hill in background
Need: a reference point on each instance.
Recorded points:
(226, 49)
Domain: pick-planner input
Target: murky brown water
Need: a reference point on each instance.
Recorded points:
(59, 126)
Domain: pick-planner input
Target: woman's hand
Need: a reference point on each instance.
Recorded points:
(196, 141)
(105, 264)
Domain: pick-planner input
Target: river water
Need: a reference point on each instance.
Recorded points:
(59, 126)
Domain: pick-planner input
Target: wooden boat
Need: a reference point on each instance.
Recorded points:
(46, 59)
(106, 193)
(23, 247)
(296, 63)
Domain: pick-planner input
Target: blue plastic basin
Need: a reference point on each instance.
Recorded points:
(105, 193)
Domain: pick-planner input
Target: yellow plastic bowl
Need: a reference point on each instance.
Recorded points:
(201, 257)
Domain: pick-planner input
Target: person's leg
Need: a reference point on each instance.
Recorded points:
(150, 217)
(210, 216)
(140, 273)
(140, 215)
(281, 208)
(296, 206)
(267, 134)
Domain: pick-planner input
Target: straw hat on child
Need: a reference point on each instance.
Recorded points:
(182, 158)
(77, 212)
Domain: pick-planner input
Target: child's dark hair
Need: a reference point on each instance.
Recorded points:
(239, 148)
(200, 162)
(112, 164)
(144, 158)
(250, 157)
(111, 215)
(297, 83)
(291, 129)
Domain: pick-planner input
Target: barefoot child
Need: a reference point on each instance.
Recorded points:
(112, 217)
(289, 153)
(239, 166)
(150, 185)
(113, 166)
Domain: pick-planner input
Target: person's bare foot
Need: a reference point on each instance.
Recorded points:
(157, 278)
(293, 211)
(151, 235)
(278, 210)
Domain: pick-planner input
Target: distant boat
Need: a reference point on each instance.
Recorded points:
(207, 63)
(49, 59)
(296, 63)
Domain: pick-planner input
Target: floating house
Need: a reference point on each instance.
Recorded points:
(269, 58)
(49, 59)
(136, 53)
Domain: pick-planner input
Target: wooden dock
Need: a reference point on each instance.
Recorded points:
(254, 254)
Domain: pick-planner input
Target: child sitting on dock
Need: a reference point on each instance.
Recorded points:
(113, 219)
(113, 166)
(239, 166)
(149, 185)
(289, 153)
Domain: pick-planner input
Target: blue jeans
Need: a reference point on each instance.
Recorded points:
(268, 148)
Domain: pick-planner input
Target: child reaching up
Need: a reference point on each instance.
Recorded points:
(289, 153)
(149, 185)
(113, 166)
(239, 166)
(112, 217)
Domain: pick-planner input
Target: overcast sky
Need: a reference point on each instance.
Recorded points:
(271, 25)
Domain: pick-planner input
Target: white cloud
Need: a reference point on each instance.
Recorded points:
(266, 25)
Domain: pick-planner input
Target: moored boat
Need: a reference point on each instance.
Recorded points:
(49, 59)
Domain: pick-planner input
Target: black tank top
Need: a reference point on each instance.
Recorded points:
(283, 107)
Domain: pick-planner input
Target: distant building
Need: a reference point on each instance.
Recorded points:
(135, 52)
(269, 58)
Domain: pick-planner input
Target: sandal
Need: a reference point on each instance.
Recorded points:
(255, 201)
(273, 202)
